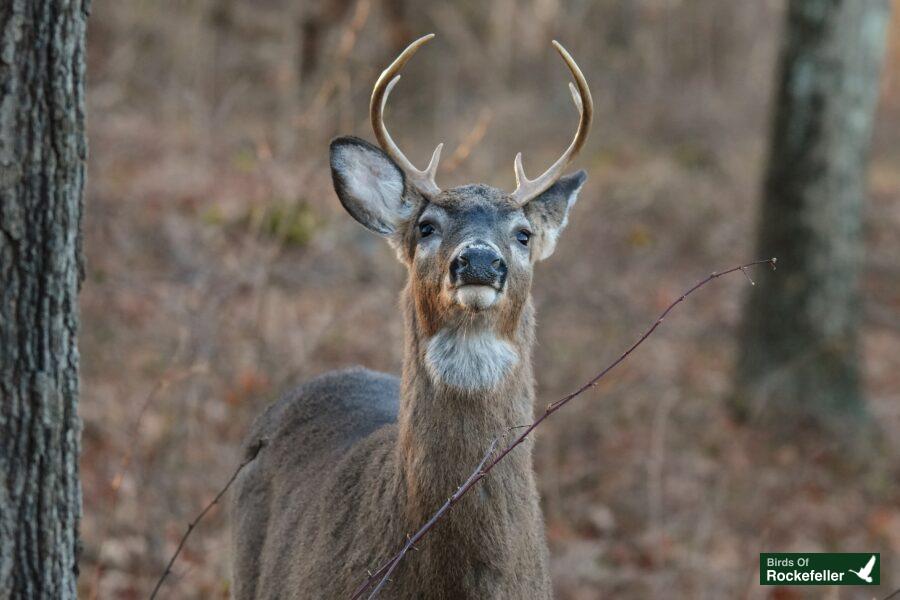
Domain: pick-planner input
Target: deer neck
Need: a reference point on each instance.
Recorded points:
(461, 388)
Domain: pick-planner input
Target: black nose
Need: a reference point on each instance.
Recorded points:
(478, 264)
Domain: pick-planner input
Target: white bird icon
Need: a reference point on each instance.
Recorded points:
(866, 572)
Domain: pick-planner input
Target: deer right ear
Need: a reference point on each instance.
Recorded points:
(369, 184)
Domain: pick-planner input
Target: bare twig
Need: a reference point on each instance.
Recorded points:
(382, 573)
(411, 540)
(254, 452)
(169, 379)
(468, 144)
(893, 594)
(348, 41)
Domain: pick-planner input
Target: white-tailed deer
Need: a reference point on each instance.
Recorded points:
(356, 460)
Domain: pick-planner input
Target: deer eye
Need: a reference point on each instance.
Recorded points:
(523, 236)
(426, 229)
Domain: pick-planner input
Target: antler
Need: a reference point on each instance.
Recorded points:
(422, 180)
(528, 189)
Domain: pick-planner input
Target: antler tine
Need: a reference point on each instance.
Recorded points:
(423, 180)
(527, 189)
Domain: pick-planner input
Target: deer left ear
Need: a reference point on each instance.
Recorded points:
(369, 184)
(549, 212)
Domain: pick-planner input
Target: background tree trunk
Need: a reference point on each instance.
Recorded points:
(799, 353)
(42, 170)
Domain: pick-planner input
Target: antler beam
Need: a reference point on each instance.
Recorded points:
(422, 180)
(528, 189)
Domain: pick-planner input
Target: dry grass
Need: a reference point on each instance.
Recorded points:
(221, 270)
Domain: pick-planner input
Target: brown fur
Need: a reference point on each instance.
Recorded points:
(357, 460)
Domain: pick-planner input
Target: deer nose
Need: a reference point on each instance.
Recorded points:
(478, 264)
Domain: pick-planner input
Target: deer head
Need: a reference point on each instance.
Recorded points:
(470, 250)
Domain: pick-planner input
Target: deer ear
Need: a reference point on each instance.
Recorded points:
(369, 184)
(549, 212)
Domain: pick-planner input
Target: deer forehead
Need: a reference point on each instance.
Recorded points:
(474, 209)
(471, 194)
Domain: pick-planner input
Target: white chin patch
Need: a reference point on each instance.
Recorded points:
(476, 297)
(469, 360)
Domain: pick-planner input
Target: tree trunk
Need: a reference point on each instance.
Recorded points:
(42, 170)
(799, 352)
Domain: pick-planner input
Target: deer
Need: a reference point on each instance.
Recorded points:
(354, 461)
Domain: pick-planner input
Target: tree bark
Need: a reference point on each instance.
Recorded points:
(799, 352)
(42, 171)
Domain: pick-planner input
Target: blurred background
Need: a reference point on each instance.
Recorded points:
(222, 270)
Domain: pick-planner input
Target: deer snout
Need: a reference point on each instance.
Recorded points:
(478, 264)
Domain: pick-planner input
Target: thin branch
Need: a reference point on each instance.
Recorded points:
(348, 41)
(478, 473)
(115, 485)
(382, 573)
(893, 594)
(468, 144)
(254, 452)
(411, 541)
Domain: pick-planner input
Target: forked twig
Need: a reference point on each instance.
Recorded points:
(254, 452)
(382, 573)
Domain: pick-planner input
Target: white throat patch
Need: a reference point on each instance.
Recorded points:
(469, 360)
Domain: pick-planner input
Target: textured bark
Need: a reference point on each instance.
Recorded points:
(42, 170)
(799, 355)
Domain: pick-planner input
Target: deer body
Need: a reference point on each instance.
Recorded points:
(355, 461)
(344, 478)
